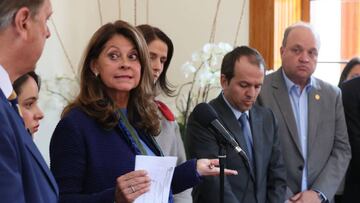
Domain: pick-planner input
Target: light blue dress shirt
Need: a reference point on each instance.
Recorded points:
(299, 104)
(236, 112)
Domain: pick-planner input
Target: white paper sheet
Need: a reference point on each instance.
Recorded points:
(160, 170)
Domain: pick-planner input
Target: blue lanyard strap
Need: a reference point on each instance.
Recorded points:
(125, 125)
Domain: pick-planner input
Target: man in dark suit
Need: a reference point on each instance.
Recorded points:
(351, 100)
(242, 74)
(24, 175)
(312, 126)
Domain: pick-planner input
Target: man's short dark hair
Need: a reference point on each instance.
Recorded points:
(229, 60)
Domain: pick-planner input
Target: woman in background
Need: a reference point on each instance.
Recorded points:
(113, 119)
(161, 51)
(27, 88)
(351, 70)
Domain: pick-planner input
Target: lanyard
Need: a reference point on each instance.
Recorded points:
(131, 133)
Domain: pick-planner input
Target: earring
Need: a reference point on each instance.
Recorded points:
(96, 74)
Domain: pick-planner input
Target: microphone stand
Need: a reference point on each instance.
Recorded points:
(222, 160)
(249, 169)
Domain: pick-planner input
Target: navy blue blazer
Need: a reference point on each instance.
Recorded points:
(86, 159)
(24, 175)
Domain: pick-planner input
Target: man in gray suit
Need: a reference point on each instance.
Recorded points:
(312, 126)
(262, 179)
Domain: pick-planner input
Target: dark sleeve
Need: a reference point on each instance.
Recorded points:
(11, 186)
(185, 176)
(202, 144)
(351, 102)
(276, 178)
(68, 162)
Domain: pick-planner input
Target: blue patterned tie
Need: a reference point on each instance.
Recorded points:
(245, 127)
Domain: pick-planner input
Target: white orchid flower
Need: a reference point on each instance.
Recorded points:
(205, 56)
(215, 78)
(208, 51)
(204, 77)
(226, 47)
(188, 68)
(213, 61)
(196, 56)
(208, 48)
(206, 64)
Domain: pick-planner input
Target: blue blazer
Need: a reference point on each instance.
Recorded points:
(24, 175)
(86, 160)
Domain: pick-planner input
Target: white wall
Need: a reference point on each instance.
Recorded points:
(187, 22)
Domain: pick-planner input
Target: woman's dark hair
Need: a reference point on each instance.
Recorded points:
(93, 98)
(349, 66)
(17, 85)
(150, 34)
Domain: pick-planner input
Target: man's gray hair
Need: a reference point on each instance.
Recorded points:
(8, 9)
(302, 25)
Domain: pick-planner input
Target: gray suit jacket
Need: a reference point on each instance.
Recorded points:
(266, 184)
(328, 145)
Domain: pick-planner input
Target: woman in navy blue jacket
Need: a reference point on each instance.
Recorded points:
(113, 119)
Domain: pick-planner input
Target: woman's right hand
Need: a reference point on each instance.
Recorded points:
(131, 185)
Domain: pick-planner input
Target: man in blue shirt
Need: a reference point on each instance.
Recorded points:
(312, 126)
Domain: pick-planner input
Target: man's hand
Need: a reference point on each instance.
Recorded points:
(209, 167)
(308, 196)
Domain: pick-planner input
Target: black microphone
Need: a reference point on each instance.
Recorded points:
(207, 117)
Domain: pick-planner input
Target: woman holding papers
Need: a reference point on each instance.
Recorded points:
(113, 119)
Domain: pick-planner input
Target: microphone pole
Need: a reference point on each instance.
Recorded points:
(222, 160)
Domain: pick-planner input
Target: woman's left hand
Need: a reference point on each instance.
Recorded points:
(209, 167)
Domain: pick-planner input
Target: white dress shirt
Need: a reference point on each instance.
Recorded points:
(5, 82)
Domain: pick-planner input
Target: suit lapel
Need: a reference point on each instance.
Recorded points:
(314, 115)
(282, 98)
(31, 146)
(4, 99)
(227, 118)
(40, 160)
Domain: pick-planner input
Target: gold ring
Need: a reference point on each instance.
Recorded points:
(132, 188)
